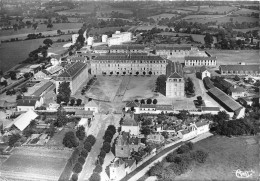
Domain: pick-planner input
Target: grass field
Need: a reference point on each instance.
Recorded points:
(42, 28)
(244, 11)
(225, 156)
(160, 16)
(35, 162)
(218, 9)
(235, 56)
(248, 29)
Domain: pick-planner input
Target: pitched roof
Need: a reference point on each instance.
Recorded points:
(91, 104)
(210, 109)
(72, 70)
(172, 68)
(164, 107)
(201, 123)
(199, 58)
(128, 121)
(225, 99)
(26, 102)
(175, 75)
(202, 69)
(168, 47)
(236, 89)
(147, 106)
(239, 68)
(133, 104)
(22, 121)
(129, 162)
(43, 88)
(131, 57)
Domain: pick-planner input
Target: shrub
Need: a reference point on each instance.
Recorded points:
(106, 147)
(155, 101)
(200, 156)
(77, 168)
(81, 160)
(87, 146)
(148, 101)
(156, 170)
(84, 153)
(74, 177)
(98, 168)
(190, 145)
(13, 139)
(94, 177)
(168, 174)
(183, 149)
(101, 161)
(102, 153)
(91, 139)
(170, 157)
(80, 133)
(176, 168)
(70, 140)
(112, 128)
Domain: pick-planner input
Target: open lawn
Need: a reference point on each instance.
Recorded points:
(38, 163)
(245, 11)
(225, 156)
(235, 56)
(140, 87)
(105, 87)
(42, 28)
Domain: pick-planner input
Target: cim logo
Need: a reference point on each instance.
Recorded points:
(244, 174)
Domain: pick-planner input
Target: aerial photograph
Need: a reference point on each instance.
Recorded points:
(129, 90)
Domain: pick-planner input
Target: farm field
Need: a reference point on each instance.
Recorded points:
(248, 29)
(245, 11)
(42, 28)
(218, 18)
(34, 162)
(218, 9)
(140, 87)
(235, 56)
(225, 156)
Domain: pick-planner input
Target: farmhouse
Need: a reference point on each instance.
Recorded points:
(236, 92)
(128, 64)
(175, 80)
(29, 103)
(22, 121)
(91, 106)
(130, 125)
(240, 69)
(43, 74)
(75, 73)
(204, 72)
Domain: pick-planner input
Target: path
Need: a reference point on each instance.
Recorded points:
(140, 171)
(122, 89)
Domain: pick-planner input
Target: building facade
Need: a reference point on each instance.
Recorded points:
(253, 70)
(128, 64)
(174, 51)
(175, 81)
(204, 72)
(75, 73)
(200, 61)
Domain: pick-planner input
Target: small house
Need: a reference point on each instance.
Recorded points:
(204, 72)
(92, 106)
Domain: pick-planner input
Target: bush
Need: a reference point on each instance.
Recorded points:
(91, 139)
(156, 170)
(70, 140)
(102, 153)
(155, 101)
(112, 128)
(183, 149)
(77, 168)
(200, 156)
(87, 146)
(94, 177)
(81, 160)
(13, 139)
(80, 133)
(148, 101)
(98, 169)
(74, 177)
(168, 174)
(84, 153)
(170, 157)
(106, 147)
(101, 161)
(190, 145)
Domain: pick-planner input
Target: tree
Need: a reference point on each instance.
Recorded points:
(24, 89)
(148, 101)
(49, 25)
(156, 170)
(61, 117)
(112, 128)
(27, 75)
(106, 147)
(137, 73)
(146, 131)
(84, 153)
(59, 32)
(72, 102)
(189, 86)
(171, 157)
(108, 139)
(222, 116)
(18, 97)
(48, 42)
(74, 177)
(183, 149)
(80, 133)
(81, 160)
(168, 173)
(64, 92)
(70, 140)
(190, 145)
(109, 133)
(87, 146)
(91, 139)
(144, 73)
(94, 177)
(150, 73)
(155, 101)
(200, 156)
(79, 101)
(102, 153)
(236, 78)
(100, 160)
(183, 115)
(208, 39)
(98, 168)
(142, 101)
(12, 75)
(77, 168)
(13, 139)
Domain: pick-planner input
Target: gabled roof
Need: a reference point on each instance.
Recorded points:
(91, 104)
(239, 68)
(133, 104)
(201, 123)
(236, 89)
(175, 75)
(202, 69)
(22, 121)
(174, 67)
(26, 102)
(39, 91)
(128, 121)
(72, 69)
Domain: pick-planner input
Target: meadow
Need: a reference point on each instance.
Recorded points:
(42, 28)
(217, 9)
(245, 11)
(226, 155)
(161, 16)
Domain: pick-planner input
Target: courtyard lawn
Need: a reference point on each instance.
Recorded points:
(235, 56)
(41, 163)
(140, 87)
(225, 156)
(105, 88)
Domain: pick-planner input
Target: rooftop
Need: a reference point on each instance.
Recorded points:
(250, 67)
(72, 70)
(127, 47)
(170, 47)
(129, 121)
(39, 91)
(133, 104)
(199, 58)
(236, 89)
(128, 57)
(225, 99)
(174, 70)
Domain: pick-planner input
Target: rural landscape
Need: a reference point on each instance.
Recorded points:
(129, 90)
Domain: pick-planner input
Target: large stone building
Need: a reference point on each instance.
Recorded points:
(175, 81)
(240, 69)
(128, 64)
(200, 61)
(168, 51)
(118, 38)
(75, 73)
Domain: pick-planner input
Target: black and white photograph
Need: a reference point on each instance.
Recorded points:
(129, 90)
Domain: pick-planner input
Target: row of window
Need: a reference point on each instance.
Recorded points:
(240, 72)
(200, 61)
(134, 61)
(117, 65)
